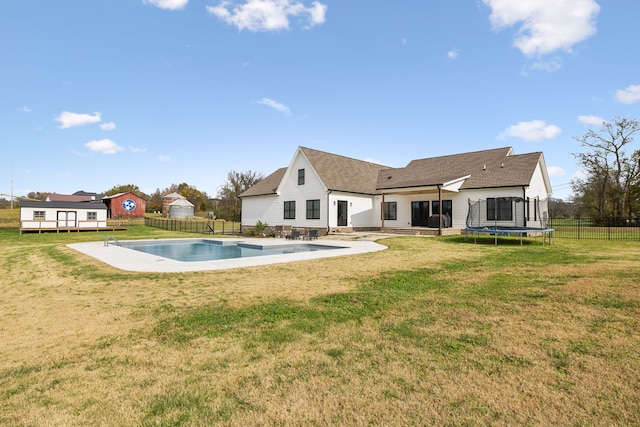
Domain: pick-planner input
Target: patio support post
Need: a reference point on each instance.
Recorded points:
(441, 209)
(382, 212)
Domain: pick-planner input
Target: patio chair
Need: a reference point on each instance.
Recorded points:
(313, 235)
(295, 235)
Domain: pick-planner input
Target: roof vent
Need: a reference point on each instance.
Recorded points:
(501, 165)
(484, 167)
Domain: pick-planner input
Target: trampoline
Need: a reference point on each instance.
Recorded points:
(509, 216)
(521, 232)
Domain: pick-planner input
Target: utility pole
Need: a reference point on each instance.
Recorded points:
(11, 186)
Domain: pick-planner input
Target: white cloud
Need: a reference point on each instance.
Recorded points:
(591, 120)
(629, 94)
(581, 174)
(553, 64)
(108, 126)
(535, 130)
(275, 105)
(452, 54)
(104, 146)
(68, 120)
(556, 171)
(167, 4)
(163, 158)
(545, 26)
(25, 109)
(268, 15)
(137, 150)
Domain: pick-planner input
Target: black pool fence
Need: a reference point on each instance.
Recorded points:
(596, 228)
(564, 228)
(194, 225)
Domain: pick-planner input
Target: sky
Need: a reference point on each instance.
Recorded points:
(100, 93)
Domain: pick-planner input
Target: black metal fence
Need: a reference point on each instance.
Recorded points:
(194, 225)
(596, 229)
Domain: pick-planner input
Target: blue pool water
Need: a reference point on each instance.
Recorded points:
(209, 250)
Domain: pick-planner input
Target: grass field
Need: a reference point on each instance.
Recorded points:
(432, 331)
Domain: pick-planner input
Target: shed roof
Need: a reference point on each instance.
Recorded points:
(62, 205)
(54, 197)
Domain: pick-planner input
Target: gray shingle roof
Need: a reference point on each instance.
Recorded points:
(64, 205)
(341, 173)
(268, 185)
(484, 169)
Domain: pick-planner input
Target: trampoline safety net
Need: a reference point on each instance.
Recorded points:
(508, 212)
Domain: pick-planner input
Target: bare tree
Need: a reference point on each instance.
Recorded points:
(610, 172)
(229, 193)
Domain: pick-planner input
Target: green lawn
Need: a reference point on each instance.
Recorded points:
(432, 331)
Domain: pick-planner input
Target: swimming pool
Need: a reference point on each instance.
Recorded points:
(210, 250)
(274, 251)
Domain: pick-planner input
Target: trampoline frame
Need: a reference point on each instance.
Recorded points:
(506, 231)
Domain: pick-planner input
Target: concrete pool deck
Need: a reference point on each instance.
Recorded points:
(133, 260)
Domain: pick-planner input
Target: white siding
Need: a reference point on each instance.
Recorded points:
(76, 218)
(361, 210)
(261, 208)
(537, 188)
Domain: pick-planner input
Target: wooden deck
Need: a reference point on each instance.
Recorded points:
(45, 227)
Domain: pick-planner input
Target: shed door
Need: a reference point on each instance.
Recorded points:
(67, 219)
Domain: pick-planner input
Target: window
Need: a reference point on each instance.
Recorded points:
(499, 209)
(38, 215)
(92, 216)
(313, 209)
(300, 176)
(290, 210)
(447, 207)
(390, 211)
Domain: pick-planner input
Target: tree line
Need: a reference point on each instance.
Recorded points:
(225, 205)
(610, 183)
(609, 186)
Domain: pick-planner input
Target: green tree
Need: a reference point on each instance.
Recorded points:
(192, 194)
(154, 203)
(229, 206)
(128, 188)
(611, 175)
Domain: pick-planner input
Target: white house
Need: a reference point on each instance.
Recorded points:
(333, 193)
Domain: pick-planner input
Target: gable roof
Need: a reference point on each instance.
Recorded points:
(173, 196)
(492, 168)
(268, 185)
(480, 169)
(339, 173)
(115, 196)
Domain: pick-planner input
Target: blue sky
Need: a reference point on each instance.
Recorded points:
(100, 93)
